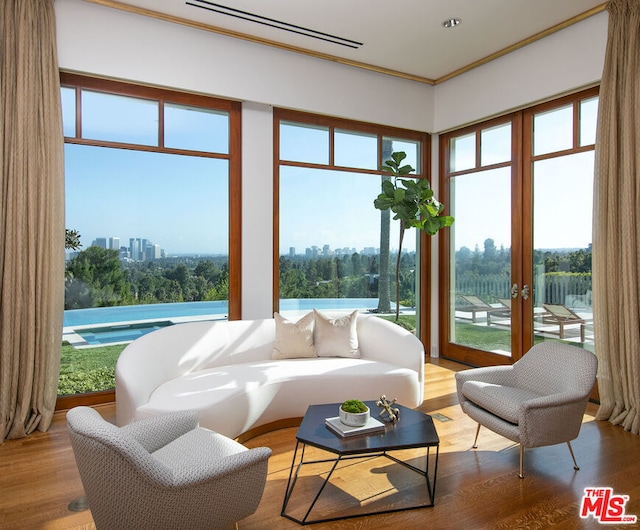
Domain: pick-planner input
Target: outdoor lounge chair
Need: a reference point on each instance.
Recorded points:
(506, 302)
(477, 305)
(563, 316)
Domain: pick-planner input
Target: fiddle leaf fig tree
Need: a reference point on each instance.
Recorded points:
(413, 204)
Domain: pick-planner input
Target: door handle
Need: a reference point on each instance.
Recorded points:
(514, 290)
(525, 292)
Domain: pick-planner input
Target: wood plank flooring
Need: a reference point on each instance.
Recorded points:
(475, 489)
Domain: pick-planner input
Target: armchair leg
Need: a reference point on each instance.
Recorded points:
(575, 464)
(235, 525)
(475, 441)
(521, 474)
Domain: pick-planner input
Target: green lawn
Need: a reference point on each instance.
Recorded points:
(492, 338)
(88, 369)
(483, 337)
(405, 321)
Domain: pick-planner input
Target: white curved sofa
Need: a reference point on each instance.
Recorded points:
(224, 370)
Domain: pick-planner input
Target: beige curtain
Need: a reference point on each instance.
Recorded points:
(31, 217)
(616, 230)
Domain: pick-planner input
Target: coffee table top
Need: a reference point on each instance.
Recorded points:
(413, 429)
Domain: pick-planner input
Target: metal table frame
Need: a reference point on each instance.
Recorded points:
(310, 433)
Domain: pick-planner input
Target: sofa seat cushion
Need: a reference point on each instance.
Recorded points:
(503, 401)
(233, 398)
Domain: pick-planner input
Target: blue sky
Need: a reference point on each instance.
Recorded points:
(177, 202)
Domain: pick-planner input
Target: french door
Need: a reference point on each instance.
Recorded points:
(515, 267)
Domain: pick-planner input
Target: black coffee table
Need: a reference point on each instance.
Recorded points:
(414, 430)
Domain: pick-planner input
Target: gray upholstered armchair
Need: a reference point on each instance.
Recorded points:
(164, 472)
(539, 400)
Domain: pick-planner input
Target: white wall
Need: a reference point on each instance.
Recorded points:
(564, 61)
(257, 210)
(108, 42)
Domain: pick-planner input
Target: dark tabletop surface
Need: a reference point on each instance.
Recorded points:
(413, 429)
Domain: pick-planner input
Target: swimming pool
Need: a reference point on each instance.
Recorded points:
(132, 313)
(98, 326)
(129, 313)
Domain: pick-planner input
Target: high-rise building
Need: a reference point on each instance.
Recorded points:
(292, 252)
(134, 249)
(100, 242)
(153, 251)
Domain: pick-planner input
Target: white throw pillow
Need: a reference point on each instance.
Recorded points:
(294, 339)
(336, 337)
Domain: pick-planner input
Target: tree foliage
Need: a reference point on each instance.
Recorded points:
(96, 277)
(413, 203)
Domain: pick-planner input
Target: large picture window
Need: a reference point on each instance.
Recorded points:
(148, 180)
(334, 250)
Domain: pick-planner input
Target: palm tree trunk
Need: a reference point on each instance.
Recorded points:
(398, 271)
(384, 302)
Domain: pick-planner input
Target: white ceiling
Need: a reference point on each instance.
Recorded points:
(403, 36)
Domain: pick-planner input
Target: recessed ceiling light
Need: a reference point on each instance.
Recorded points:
(451, 22)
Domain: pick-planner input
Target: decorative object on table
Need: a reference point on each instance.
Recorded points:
(388, 408)
(345, 431)
(354, 413)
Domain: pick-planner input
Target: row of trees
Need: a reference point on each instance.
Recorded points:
(493, 260)
(96, 277)
(355, 276)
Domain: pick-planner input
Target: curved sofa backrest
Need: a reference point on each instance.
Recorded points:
(381, 340)
(172, 352)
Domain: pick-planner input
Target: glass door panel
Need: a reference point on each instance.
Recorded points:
(562, 213)
(480, 261)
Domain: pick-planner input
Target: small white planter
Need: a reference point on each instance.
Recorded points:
(354, 419)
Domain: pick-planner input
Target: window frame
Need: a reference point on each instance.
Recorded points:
(80, 82)
(380, 131)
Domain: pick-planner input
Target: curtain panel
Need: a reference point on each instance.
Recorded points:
(31, 217)
(616, 230)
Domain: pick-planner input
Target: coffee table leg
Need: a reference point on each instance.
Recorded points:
(326, 480)
(291, 484)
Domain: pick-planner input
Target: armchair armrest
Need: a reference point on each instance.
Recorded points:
(233, 466)
(551, 419)
(496, 375)
(156, 432)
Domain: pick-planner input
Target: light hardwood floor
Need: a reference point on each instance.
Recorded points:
(475, 489)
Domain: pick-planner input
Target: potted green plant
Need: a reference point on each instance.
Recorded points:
(413, 203)
(354, 413)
